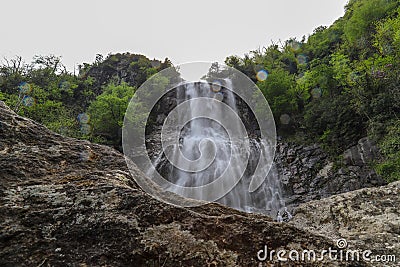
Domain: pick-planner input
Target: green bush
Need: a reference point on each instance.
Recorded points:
(389, 165)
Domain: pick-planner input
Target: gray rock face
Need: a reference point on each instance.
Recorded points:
(307, 174)
(66, 202)
(360, 154)
(368, 219)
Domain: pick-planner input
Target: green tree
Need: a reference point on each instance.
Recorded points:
(107, 112)
(389, 165)
(363, 16)
(387, 37)
(277, 90)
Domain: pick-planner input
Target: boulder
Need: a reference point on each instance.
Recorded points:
(67, 202)
(368, 219)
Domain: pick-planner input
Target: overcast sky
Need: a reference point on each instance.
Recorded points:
(184, 31)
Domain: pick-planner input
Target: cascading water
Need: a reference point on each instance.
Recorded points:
(266, 199)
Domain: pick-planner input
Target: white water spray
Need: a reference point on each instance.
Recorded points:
(203, 138)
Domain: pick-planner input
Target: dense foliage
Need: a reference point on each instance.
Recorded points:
(337, 85)
(90, 104)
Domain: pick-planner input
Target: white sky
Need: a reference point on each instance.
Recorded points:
(184, 31)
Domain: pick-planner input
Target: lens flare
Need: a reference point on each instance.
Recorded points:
(216, 86)
(85, 128)
(84, 156)
(316, 92)
(28, 101)
(84, 118)
(285, 119)
(24, 88)
(353, 77)
(64, 85)
(63, 130)
(219, 96)
(302, 59)
(262, 75)
(87, 154)
(295, 45)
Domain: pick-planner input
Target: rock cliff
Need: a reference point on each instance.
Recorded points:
(307, 173)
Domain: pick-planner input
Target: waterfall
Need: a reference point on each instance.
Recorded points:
(214, 139)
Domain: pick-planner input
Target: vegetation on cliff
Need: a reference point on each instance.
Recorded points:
(339, 84)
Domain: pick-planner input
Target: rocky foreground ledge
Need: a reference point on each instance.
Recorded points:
(67, 202)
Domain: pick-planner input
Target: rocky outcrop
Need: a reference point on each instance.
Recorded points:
(368, 219)
(118, 68)
(307, 173)
(67, 202)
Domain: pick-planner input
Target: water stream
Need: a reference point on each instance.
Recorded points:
(266, 199)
